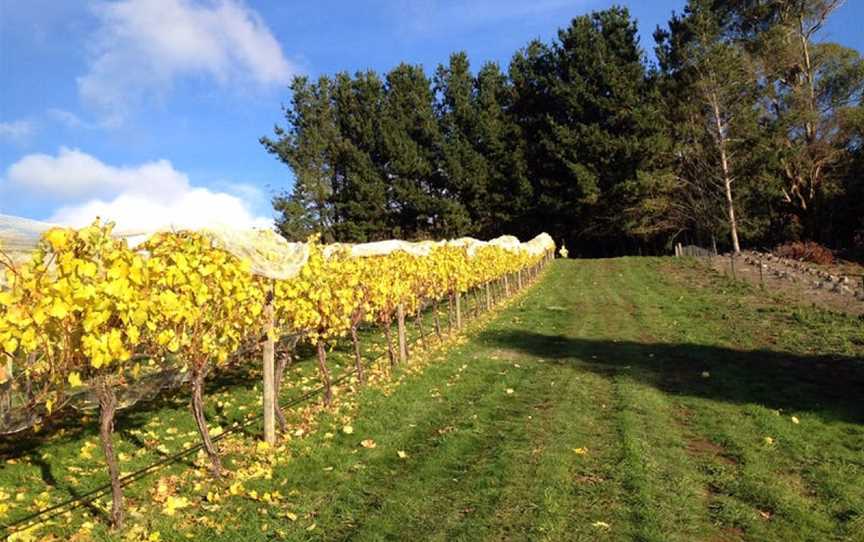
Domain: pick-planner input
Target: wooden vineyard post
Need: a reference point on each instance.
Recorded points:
(269, 373)
(519, 279)
(488, 297)
(458, 310)
(506, 285)
(400, 322)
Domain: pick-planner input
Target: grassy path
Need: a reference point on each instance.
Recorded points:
(611, 432)
(628, 399)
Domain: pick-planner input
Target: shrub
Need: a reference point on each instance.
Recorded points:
(805, 251)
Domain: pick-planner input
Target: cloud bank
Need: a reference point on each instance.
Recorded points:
(142, 197)
(142, 46)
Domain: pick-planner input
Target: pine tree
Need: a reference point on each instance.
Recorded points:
(464, 167)
(308, 147)
(500, 141)
(419, 203)
(360, 196)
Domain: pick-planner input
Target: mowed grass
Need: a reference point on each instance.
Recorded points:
(626, 399)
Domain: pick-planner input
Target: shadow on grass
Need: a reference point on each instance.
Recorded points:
(832, 386)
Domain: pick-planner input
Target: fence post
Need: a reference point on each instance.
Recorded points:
(732, 259)
(761, 273)
(458, 310)
(269, 373)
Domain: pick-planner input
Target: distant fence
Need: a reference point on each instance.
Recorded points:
(694, 251)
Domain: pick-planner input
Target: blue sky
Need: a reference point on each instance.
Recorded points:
(148, 112)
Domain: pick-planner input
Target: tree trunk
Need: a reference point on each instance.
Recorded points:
(324, 372)
(722, 140)
(358, 361)
(198, 412)
(107, 408)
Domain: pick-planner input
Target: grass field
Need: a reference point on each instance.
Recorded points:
(626, 399)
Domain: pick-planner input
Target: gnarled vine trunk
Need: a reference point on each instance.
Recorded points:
(324, 372)
(107, 409)
(390, 353)
(281, 363)
(358, 361)
(198, 376)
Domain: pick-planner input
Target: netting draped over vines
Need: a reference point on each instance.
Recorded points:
(140, 311)
(95, 317)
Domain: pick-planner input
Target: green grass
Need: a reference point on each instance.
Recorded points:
(680, 386)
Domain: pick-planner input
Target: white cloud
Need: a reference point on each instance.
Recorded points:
(16, 131)
(141, 197)
(142, 46)
(196, 208)
(75, 174)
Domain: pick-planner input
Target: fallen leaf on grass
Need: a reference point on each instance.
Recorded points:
(401, 454)
(795, 420)
(368, 443)
(509, 391)
(74, 379)
(172, 504)
(580, 451)
(348, 430)
(601, 525)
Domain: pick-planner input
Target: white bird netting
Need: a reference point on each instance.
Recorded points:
(269, 254)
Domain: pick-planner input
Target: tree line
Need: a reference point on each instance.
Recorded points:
(746, 130)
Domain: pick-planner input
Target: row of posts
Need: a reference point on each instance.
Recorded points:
(269, 346)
